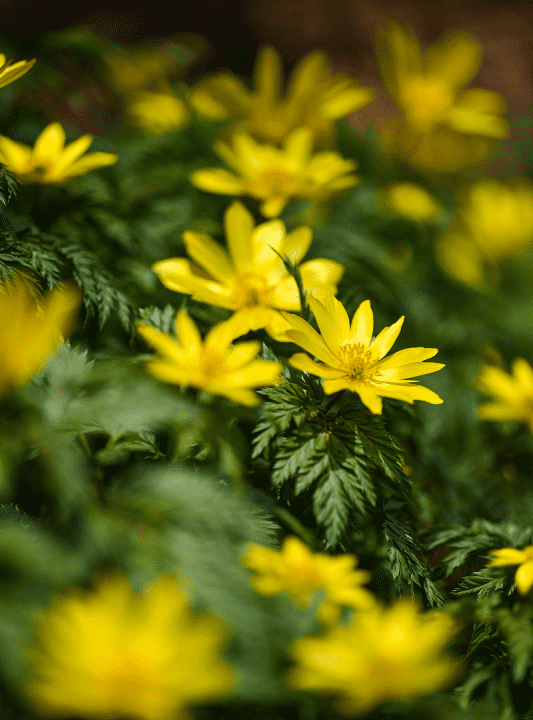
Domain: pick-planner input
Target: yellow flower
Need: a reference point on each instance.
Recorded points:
(214, 366)
(315, 98)
(384, 654)
(429, 88)
(10, 71)
(297, 571)
(351, 360)
(112, 653)
(411, 200)
(251, 279)
(513, 394)
(158, 113)
(49, 161)
(140, 69)
(274, 175)
(31, 328)
(522, 558)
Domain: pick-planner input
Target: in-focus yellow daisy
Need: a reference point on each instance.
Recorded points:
(10, 71)
(213, 365)
(276, 175)
(157, 113)
(50, 161)
(251, 279)
(411, 200)
(522, 558)
(31, 328)
(393, 653)
(112, 653)
(351, 360)
(315, 98)
(297, 571)
(512, 394)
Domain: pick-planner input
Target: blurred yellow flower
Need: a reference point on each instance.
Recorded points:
(297, 571)
(157, 113)
(113, 653)
(411, 200)
(315, 98)
(214, 365)
(10, 71)
(251, 279)
(393, 653)
(50, 161)
(522, 558)
(274, 175)
(141, 69)
(31, 328)
(352, 360)
(512, 394)
(495, 222)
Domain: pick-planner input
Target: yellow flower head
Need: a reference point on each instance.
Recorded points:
(214, 365)
(411, 200)
(31, 328)
(297, 571)
(157, 113)
(251, 279)
(393, 653)
(112, 653)
(315, 98)
(522, 558)
(512, 394)
(140, 69)
(352, 360)
(429, 88)
(276, 175)
(49, 161)
(10, 71)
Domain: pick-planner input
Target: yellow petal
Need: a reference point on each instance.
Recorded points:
(238, 225)
(306, 77)
(217, 180)
(524, 577)
(321, 273)
(334, 385)
(386, 339)
(507, 556)
(14, 71)
(14, 155)
(298, 146)
(296, 243)
(176, 274)
(50, 142)
(332, 319)
(455, 60)
(470, 121)
(369, 398)
(409, 355)
(494, 381)
(160, 341)
(73, 151)
(399, 56)
(498, 412)
(256, 374)
(209, 255)
(303, 362)
(91, 161)
(409, 371)
(278, 327)
(267, 75)
(266, 238)
(523, 372)
(408, 393)
(243, 353)
(286, 296)
(307, 338)
(362, 325)
(346, 102)
(273, 206)
(187, 333)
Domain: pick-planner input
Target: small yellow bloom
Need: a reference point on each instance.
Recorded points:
(512, 394)
(315, 98)
(158, 113)
(297, 571)
(10, 71)
(214, 365)
(430, 88)
(113, 653)
(140, 69)
(411, 200)
(49, 161)
(251, 279)
(522, 558)
(393, 653)
(31, 329)
(274, 175)
(351, 360)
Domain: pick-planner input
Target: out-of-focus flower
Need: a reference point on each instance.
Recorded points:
(213, 365)
(384, 654)
(522, 558)
(10, 71)
(351, 360)
(512, 394)
(252, 279)
(315, 98)
(411, 200)
(158, 113)
(140, 70)
(50, 161)
(31, 328)
(495, 222)
(274, 175)
(438, 113)
(297, 571)
(112, 653)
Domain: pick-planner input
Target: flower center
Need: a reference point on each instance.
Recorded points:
(250, 290)
(210, 363)
(528, 551)
(426, 100)
(275, 183)
(303, 578)
(356, 361)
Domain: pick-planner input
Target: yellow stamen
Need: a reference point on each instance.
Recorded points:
(356, 360)
(275, 183)
(252, 289)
